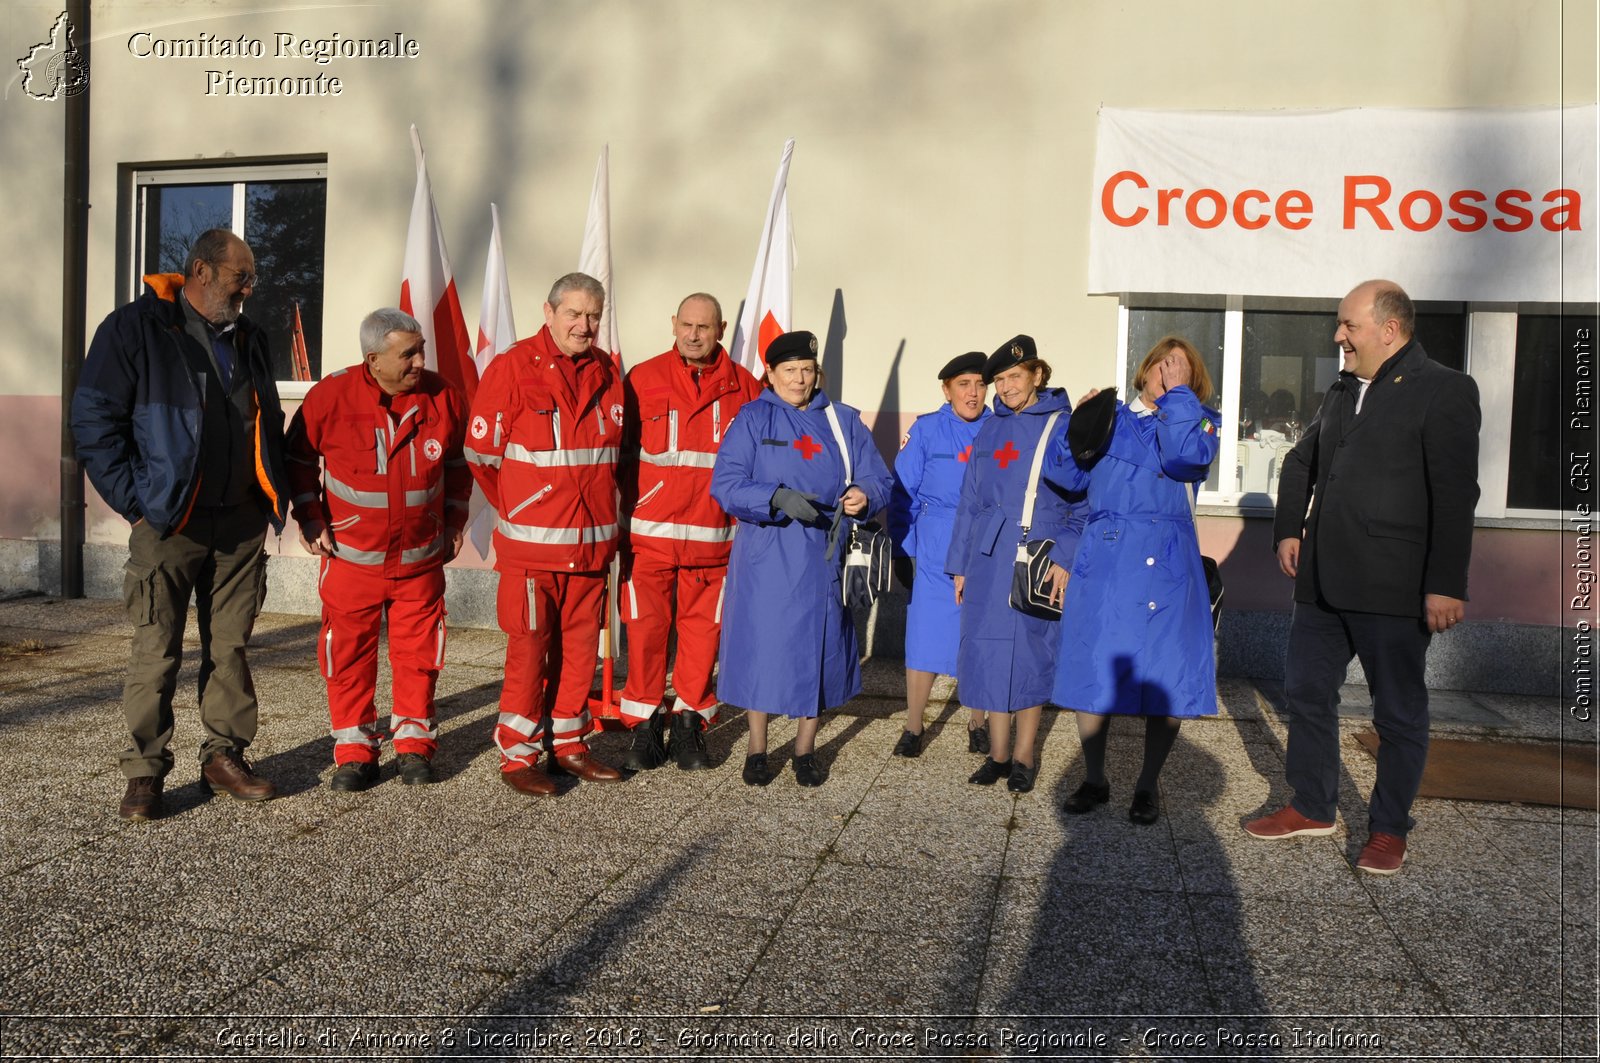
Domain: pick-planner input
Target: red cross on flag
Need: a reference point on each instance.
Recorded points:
(769, 305)
(428, 289)
(496, 332)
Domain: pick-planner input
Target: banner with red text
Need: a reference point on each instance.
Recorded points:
(1457, 205)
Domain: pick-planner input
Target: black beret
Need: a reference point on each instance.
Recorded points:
(1089, 427)
(971, 362)
(1015, 351)
(790, 346)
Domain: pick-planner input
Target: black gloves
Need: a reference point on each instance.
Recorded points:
(795, 504)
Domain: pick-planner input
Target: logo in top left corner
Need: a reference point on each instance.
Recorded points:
(56, 68)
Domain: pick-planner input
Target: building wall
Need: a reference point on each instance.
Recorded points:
(940, 187)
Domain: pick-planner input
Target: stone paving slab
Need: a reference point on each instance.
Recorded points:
(896, 912)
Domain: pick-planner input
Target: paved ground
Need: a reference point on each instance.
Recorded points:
(896, 912)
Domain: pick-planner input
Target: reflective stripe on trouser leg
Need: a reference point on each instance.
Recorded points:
(416, 639)
(649, 620)
(347, 652)
(519, 731)
(699, 605)
(578, 598)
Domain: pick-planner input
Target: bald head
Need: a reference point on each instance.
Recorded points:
(697, 327)
(1376, 319)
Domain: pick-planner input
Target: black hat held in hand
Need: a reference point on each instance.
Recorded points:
(1089, 427)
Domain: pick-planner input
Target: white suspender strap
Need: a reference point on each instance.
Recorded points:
(1033, 473)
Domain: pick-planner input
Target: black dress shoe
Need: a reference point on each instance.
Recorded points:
(978, 740)
(1086, 797)
(910, 745)
(648, 749)
(1145, 810)
(1022, 776)
(806, 772)
(989, 772)
(141, 802)
(354, 776)
(756, 772)
(415, 769)
(689, 741)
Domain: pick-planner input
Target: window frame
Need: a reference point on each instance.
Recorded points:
(133, 177)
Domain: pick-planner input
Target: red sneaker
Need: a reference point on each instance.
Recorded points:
(1383, 854)
(1286, 823)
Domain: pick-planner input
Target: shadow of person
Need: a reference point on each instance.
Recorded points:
(1129, 932)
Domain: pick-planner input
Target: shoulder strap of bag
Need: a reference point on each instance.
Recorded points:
(1033, 473)
(844, 447)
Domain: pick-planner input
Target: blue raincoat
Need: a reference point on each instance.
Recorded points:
(1007, 659)
(1136, 632)
(928, 472)
(788, 639)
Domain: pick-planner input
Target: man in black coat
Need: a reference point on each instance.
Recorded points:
(1374, 524)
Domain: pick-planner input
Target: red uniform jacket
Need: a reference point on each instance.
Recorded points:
(392, 482)
(545, 435)
(675, 428)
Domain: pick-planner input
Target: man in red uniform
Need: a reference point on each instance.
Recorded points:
(543, 443)
(679, 405)
(384, 512)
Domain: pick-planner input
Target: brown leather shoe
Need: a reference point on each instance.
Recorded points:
(141, 801)
(229, 772)
(587, 768)
(530, 781)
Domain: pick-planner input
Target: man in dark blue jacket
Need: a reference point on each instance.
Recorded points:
(178, 425)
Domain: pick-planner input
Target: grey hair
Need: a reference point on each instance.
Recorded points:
(708, 297)
(210, 247)
(1391, 303)
(376, 326)
(581, 282)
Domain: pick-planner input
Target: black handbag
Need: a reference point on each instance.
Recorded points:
(1214, 589)
(868, 557)
(868, 564)
(1030, 573)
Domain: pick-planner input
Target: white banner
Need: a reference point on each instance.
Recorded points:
(1456, 205)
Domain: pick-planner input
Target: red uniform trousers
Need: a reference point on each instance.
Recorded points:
(552, 626)
(354, 603)
(647, 609)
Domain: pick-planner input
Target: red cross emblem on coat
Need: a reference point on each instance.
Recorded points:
(808, 447)
(1007, 454)
(966, 455)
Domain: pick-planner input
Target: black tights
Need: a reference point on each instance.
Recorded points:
(1160, 732)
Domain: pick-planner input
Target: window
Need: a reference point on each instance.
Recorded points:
(1271, 362)
(281, 210)
(1541, 434)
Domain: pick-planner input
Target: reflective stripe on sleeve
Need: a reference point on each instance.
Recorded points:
(694, 459)
(689, 533)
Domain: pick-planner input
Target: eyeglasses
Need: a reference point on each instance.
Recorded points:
(246, 280)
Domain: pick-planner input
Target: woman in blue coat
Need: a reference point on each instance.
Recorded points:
(1007, 659)
(788, 640)
(1136, 636)
(927, 473)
